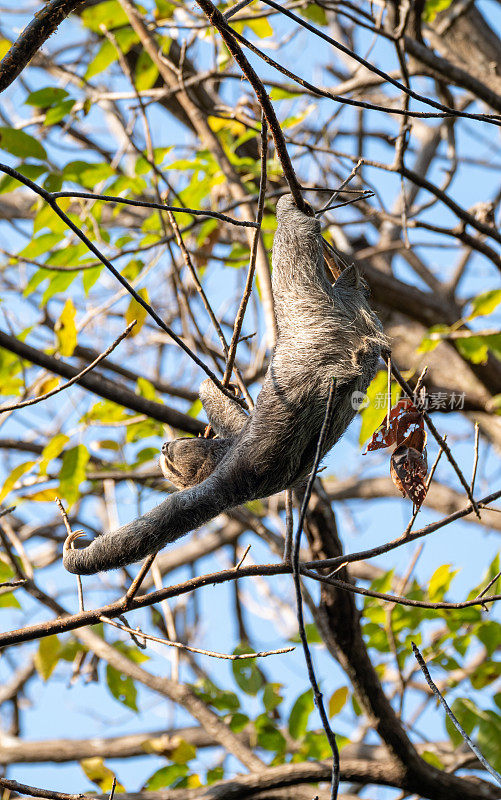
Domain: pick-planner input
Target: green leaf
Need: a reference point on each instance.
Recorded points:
(31, 171)
(21, 144)
(89, 278)
(488, 738)
(430, 342)
(72, 472)
(316, 746)
(493, 342)
(473, 348)
(268, 735)
(261, 27)
(40, 245)
(45, 98)
(47, 656)
(57, 284)
(271, 696)
(88, 175)
(166, 776)
(485, 303)
(8, 600)
(146, 72)
(238, 722)
(109, 13)
(214, 774)
(300, 714)
(467, 715)
(246, 673)
(314, 13)
(183, 752)
(57, 113)
(66, 330)
(107, 53)
(121, 687)
(338, 700)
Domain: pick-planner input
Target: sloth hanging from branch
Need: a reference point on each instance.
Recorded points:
(325, 331)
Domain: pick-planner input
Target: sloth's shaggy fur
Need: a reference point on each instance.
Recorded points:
(325, 332)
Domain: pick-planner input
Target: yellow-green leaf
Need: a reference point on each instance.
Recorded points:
(473, 348)
(13, 478)
(183, 752)
(376, 404)
(66, 330)
(47, 656)
(72, 472)
(52, 449)
(109, 13)
(261, 27)
(338, 700)
(431, 758)
(485, 303)
(136, 312)
(98, 773)
(433, 7)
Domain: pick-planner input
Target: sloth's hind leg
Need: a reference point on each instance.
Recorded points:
(225, 416)
(187, 462)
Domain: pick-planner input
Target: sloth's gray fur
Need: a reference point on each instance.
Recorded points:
(325, 332)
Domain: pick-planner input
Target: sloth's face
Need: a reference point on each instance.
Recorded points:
(186, 461)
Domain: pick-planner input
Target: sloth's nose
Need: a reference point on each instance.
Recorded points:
(165, 448)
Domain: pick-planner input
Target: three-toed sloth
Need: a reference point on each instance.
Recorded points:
(324, 331)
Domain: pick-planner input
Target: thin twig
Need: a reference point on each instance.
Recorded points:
(335, 195)
(33, 791)
(475, 458)
(136, 583)
(451, 716)
(13, 584)
(227, 34)
(237, 327)
(289, 527)
(113, 787)
(372, 68)
(397, 599)
(188, 648)
(493, 119)
(299, 600)
(237, 566)
(70, 534)
(73, 380)
(486, 589)
(242, 223)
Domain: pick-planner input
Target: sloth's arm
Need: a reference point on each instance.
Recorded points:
(186, 462)
(225, 416)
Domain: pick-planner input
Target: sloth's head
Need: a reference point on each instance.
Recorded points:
(187, 461)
